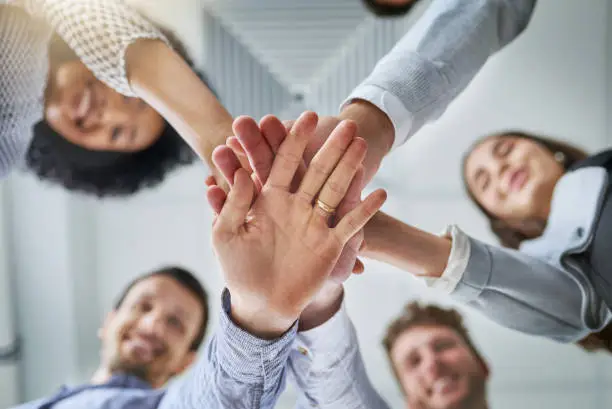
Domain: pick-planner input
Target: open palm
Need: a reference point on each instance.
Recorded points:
(258, 144)
(277, 251)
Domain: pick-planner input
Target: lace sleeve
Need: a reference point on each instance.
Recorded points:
(99, 32)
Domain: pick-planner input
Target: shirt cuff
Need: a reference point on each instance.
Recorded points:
(320, 350)
(391, 105)
(247, 358)
(327, 336)
(457, 262)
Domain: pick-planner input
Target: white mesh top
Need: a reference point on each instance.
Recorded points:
(99, 32)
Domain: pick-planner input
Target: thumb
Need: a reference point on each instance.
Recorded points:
(237, 204)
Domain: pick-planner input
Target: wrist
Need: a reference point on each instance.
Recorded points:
(185, 102)
(258, 321)
(391, 241)
(323, 307)
(375, 127)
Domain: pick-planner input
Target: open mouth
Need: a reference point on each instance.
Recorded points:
(518, 178)
(444, 384)
(142, 348)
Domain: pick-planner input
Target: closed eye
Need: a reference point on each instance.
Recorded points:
(502, 148)
(481, 180)
(116, 133)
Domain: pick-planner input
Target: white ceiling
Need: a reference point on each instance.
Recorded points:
(293, 39)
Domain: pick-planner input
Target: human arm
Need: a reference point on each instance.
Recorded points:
(276, 251)
(428, 68)
(514, 289)
(237, 369)
(128, 53)
(325, 362)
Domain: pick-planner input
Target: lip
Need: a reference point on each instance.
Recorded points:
(85, 105)
(444, 385)
(517, 179)
(144, 348)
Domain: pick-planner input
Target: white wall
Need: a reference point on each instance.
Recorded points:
(9, 387)
(72, 256)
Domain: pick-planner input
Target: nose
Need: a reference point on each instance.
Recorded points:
(152, 324)
(497, 169)
(431, 365)
(500, 166)
(118, 110)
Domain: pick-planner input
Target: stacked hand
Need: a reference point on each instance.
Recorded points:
(258, 145)
(273, 235)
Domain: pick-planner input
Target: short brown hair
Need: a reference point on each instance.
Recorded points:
(415, 315)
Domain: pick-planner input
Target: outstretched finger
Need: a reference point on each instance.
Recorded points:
(226, 161)
(275, 132)
(254, 145)
(291, 151)
(237, 205)
(354, 221)
(216, 198)
(325, 161)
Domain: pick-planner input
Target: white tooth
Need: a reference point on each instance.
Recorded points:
(442, 383)
(85, 104)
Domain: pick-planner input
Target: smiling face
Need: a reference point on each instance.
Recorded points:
(512, 178)
(437, 369)
(88, 113)
(151, 333)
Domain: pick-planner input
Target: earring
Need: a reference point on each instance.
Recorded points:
(560, 157)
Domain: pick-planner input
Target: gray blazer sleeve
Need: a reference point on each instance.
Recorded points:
(519, 291)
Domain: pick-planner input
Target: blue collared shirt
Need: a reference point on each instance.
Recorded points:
(235, 371)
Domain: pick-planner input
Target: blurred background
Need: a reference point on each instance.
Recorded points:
(64, 258)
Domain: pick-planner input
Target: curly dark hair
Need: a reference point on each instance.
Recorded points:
(389, 10)
(106, 174)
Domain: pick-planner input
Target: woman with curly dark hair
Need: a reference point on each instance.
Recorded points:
(96, 98)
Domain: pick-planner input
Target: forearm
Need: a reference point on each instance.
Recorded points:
(391, 241)
(163, 79)
(128, 53)
(325, 305)
(376, 128)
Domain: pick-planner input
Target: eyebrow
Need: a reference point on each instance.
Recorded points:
(478, 175)
(496, 145)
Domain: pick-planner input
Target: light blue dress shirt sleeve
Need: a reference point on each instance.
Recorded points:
(237, 370)
(436, 60)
